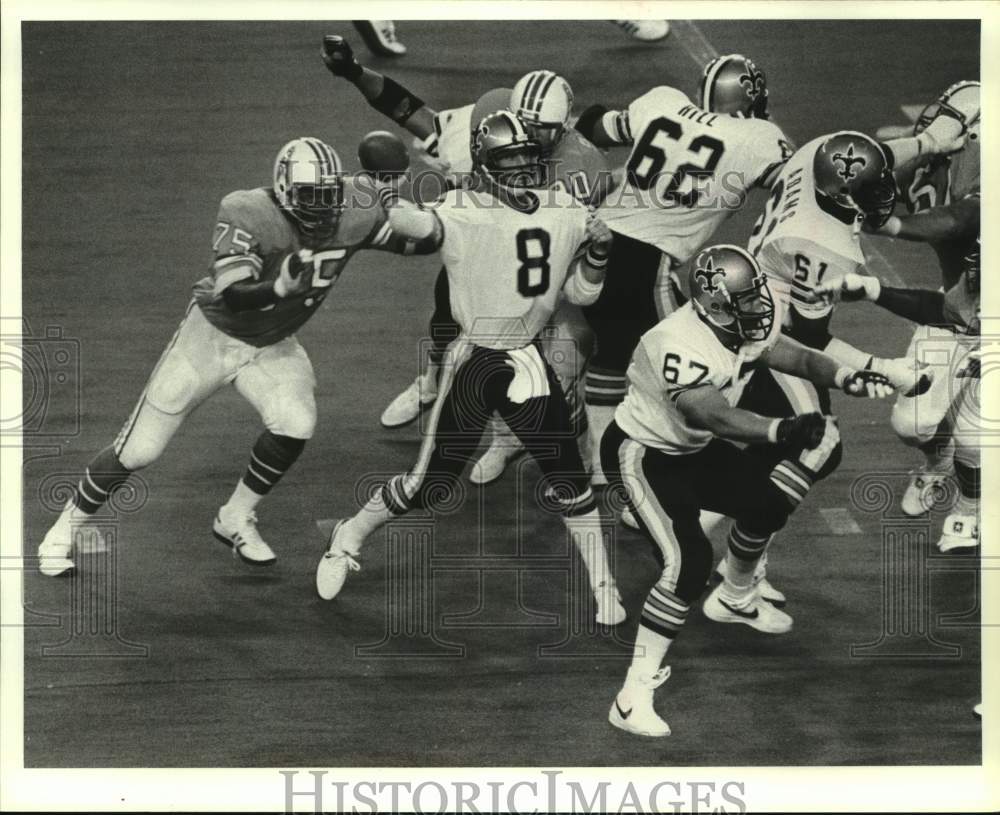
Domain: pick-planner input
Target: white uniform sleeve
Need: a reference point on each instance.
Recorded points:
(453, 128)
(771, 151)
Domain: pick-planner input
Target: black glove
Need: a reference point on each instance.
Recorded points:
(868, 384)
(339, 58)
(804, 431)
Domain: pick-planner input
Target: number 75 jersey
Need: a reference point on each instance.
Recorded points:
(688, 170)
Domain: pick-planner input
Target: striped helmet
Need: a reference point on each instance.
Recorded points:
(543, 101)
(733, 85)
(309, 183)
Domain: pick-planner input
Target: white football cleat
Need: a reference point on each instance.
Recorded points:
(491, 464)
(767, 591)
(239, 533)
(609, 604)
(406, 407)
(754, 612)
(380, 37)
(644, 30)
(55, 552)
(925, 491)
(335, 565)
(959, 532)
(628, 519)
(633, 711)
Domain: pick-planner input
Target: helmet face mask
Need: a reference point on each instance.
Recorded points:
(543, 101)
(308, 184)
(730, 292)
(961, 101)
(733, 85)
(504, 153)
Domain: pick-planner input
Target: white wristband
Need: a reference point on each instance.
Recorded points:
(891, 227)
(839, 378)
(772, 431)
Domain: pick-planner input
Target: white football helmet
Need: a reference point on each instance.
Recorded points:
(309, 183)
(543, 101)
(961, 101)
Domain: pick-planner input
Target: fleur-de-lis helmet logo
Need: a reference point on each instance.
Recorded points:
(848, 160)
(706, 275)
(752, 80)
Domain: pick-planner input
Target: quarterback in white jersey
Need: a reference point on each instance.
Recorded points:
(669, 454)
(508, 253)
(690, 167)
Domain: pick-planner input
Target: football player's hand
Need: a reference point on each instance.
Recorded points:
(804, 431)
(296, 274)
(973, 365)
(849, 287)
(339, 57)
(945, 134)
(905, 375)
(598, 232)
(868, 384)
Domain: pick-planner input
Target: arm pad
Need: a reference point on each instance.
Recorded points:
(920, 305)
(590, 117)
(396, 102)
(249, 294)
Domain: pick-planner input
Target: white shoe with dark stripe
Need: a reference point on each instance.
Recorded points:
(380, 37)
(239, 532)
(55, 552)
(408, 405)
(633, 711)
(754, 612)
(335, 565)
(767, 591)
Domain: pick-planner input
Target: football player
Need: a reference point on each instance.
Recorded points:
(810, 228)
(543, 101)
(670, 452)
(277, 251)
(509, 258)
(690, 167)
(958, 311)
(942, 194)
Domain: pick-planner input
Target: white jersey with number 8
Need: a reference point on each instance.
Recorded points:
(506, 266)
(688, 170)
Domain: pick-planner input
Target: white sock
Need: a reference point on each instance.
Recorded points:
(598, 419)
(710, 522)
(647, 657)
(739, 579)
(588, 538)
(966, 506)
(243, 500)
(372, 516)
(939, 456)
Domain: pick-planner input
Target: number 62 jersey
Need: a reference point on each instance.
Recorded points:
(689, 169)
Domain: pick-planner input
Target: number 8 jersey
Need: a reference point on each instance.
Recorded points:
(507, 266)
(688, 170)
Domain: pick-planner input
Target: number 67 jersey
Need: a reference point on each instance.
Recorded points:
(689, 169)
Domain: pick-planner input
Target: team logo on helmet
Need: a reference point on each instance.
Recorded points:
(848, 159)
(706, 275)
(752, 80)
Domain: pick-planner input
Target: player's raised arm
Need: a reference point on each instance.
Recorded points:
(586, 280)
(383, 93)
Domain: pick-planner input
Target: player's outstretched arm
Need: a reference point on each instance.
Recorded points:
(792, 357)
(604, 127)
(946, 134)
(960, 218)
(707, 408)
(411, 231)
(383, 93)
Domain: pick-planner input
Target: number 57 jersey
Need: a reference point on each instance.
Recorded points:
(506, 265)
(688, 170)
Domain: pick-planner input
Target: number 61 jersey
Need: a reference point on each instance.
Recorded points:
(689, 169)
(506, 265)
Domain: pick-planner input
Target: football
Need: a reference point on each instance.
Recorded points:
(383, 154)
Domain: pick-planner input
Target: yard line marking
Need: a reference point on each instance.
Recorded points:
(694, 43)
(840, 521)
